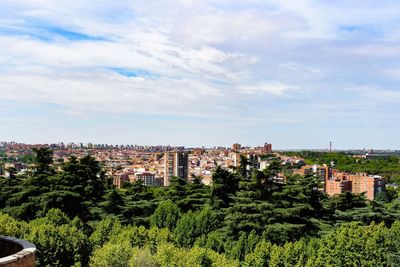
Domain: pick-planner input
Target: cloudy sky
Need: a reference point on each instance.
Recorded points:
(297, 74)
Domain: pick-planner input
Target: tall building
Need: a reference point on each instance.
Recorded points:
(267, 148)
(175, 164)
(147, 178)
(253, 163)
(198, 151)
(236, 147)
(120, 179)
(236, 159)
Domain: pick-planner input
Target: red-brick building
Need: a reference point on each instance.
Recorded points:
(356, 183)
(267, 148)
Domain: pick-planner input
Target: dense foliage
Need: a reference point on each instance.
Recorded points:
(77, 218)
(388, 167)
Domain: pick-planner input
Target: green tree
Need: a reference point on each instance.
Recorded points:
(113, 254)
(248, 211)
(140, 203)
(167, 215)
(59, 241)
(104, 230)
(354, 245)
(112, 204)
(224, 186)
(43, 160)
(260, 256)
(193, 225)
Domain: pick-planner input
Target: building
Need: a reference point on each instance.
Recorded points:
(236, 147)
(147, 178)
(267, 148)
(368, 184)
(357, 183)
(323, 172)
(252, 161)
(264, 165)
(198, 151)
(236, 159)
(334, 187)
(120, 179)
(159, 181)
(175, 164)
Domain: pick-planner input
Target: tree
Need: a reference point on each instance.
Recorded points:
(193, 225)
(224, 186)
(140, 203)
(196, 196)
(248, 211)
(347, 201)
(167, 215)
(104, 230)
(112, 204)
(113, 254)
(295, 204)
(354, 245)
(260, 256)
(58, 240)
(9, 186)
(43, 160)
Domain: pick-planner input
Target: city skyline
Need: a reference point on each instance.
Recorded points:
(296, 74)
(182, 147)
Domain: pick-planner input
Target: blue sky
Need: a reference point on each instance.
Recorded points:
(297, 74)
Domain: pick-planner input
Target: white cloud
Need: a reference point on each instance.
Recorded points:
(207, 56)
(107, 92)
(273, 87)
(392, 73)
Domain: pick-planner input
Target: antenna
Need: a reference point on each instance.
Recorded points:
(330, 146)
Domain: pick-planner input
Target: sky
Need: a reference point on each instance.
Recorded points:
(297, 74)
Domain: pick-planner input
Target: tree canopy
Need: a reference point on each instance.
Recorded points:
(76, 217)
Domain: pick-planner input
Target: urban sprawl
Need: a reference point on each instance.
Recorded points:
(156, 165)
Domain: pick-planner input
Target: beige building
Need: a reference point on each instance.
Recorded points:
(175, 164)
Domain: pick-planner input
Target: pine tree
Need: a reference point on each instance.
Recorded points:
(224, 186)
(248, 211)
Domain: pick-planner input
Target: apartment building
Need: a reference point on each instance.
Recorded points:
(147, 178)
(356, 183)
(175, 164)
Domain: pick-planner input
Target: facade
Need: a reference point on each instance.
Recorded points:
(370, 185)
(236, 159)
(323, 172)
(147, 178)
(175, 164)
(120, 179)
(252, 162)
(267, 148)
(236, 147)
(159, 181)
(356, 183)
(334, 187)
(198, 151)
(263, 165)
